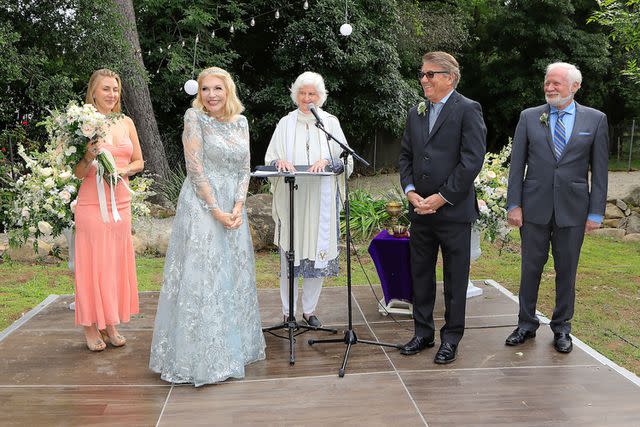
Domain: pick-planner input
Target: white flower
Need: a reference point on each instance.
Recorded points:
(44, 227)
(32, 229)
(88, 130)
(65, 175)
(73, 205)
(25, 212)
(49, 183)
(65, 196)
(70, 150)
(46, 171)
(491, 174)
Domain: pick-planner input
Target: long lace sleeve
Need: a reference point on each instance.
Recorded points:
(192, 141)
(245, 172)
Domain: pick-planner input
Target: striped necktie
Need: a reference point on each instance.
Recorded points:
(559, 135)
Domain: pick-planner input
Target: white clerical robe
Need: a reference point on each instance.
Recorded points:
(309, 146)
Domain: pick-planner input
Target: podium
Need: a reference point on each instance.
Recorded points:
(291, 325)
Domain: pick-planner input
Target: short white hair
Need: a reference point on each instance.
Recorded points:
(573, 74)
(309, 78)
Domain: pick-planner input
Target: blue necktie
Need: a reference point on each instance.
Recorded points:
(559, 135)
(434, 111)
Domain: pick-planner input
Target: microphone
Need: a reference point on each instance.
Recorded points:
(312, 107)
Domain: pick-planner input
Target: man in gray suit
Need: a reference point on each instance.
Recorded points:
(442, 151)
(549, 197)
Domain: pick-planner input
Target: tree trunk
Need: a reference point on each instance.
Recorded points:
(137, 100)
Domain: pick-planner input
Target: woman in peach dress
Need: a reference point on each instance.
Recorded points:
(105, 268)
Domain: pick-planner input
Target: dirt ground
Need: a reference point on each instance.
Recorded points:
(620, 183)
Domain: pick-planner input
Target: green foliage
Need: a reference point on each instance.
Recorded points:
(622, 17)
(504, 65)
(368, 214)
(50, 49)
(170, 187)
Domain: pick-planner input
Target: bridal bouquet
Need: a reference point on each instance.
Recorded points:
(70, 132)
(491, 191)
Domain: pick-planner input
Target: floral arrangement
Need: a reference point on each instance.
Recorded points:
(491, 191)
(44, 199)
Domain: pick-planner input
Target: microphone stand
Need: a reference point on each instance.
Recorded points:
(350, 337)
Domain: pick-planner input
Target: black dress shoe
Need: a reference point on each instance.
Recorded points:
(312, 321)
(518, 336)
(446, 353)
(562, 342)
(416, 345)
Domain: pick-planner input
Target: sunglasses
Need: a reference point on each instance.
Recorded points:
(430, 74)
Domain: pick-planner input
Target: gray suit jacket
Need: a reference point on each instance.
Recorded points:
(445, 160)
(542, 185)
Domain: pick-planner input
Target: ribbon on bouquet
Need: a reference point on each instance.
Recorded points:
(113, 178)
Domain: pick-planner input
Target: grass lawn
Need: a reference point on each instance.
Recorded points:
(607, 313)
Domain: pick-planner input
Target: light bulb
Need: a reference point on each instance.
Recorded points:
(191, 87)
(346, 29)
(231, 29)
(277, 14)
(213, 33)
(305, 6)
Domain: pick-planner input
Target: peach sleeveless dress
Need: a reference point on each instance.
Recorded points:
(105, 269)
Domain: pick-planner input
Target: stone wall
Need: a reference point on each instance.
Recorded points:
(622, 218)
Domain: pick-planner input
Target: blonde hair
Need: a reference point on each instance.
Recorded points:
(232, 105)
(93, 84)
(447, 62)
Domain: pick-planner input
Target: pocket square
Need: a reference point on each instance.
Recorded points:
(584, 133)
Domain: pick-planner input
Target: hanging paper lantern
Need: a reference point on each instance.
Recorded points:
(346, 29)
(191, 87)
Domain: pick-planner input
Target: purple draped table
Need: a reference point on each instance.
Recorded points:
(391, 257)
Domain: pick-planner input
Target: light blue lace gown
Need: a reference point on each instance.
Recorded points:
(207, 326)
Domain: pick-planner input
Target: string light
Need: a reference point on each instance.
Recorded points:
(213, 33)
(231, 29)
(253, 22)
(305, 6)
(277, 14)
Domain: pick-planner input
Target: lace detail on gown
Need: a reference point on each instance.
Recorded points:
(207, 326)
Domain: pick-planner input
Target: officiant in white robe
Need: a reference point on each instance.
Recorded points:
(317, 200)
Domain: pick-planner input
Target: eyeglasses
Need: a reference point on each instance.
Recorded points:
(430, 74)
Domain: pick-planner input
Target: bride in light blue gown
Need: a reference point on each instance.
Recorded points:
(207, 326)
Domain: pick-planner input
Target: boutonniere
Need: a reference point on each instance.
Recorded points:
(422, 108)
(544, 119)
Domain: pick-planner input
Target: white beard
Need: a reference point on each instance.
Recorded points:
(557, 101)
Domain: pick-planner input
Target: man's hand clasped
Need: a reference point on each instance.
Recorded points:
(427, 205)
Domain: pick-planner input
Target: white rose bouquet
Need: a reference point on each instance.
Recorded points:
(491, 191)
(72, 130)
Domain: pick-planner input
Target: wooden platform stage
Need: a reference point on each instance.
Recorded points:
(48, 377)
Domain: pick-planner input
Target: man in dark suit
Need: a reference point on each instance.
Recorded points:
(442, 152)
(549, 197)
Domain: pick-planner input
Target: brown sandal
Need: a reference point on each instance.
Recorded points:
(96, 346)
